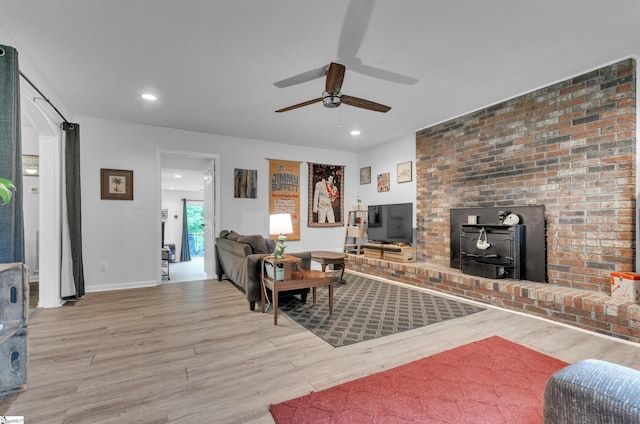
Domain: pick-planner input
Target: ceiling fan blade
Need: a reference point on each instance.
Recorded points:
(307, 103)
(335, 77)
(303, 77)
(364, 104)
(354, 28)
(382, 74)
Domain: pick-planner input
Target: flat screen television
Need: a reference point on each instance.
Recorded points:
(390, 223)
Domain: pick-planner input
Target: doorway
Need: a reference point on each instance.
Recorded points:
(195, 230)
(187, 185)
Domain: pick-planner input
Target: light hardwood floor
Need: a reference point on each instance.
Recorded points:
(193, 353)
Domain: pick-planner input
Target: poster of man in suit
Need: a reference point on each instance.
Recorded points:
(326, 195)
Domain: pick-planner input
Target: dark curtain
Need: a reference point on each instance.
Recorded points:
(72, 191)
(11, 219)
(184, 250)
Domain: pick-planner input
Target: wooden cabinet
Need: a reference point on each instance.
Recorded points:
(390, 252)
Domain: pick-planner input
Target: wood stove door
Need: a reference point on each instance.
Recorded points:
(504, 250)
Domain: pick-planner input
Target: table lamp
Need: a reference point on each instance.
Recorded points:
(280, 223)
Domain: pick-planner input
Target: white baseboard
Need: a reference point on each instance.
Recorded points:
(122, 286)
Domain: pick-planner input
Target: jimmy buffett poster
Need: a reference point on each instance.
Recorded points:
(285, 192)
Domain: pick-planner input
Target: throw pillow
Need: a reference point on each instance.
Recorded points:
(233, 236)
(257, 243)
(224, 233)
(271, 245)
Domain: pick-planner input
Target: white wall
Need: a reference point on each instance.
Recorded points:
(125, 237)
(385, 158)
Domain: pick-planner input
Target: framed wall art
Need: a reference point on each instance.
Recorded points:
(383, 182)
(405, 173)
(326, 195)
(365, 175)
(284, 192)
(245, 183)
(116, 184)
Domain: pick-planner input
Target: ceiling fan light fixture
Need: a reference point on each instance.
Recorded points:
(329, 100)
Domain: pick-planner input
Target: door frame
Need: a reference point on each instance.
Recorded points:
(215, 159)
(50, 141)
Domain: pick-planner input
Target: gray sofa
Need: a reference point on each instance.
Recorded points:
(593, 392)
(238, 258)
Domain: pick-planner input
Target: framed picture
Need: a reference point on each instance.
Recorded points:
(245, 183)
(365, 175)
(405, 173)
(383, 182)
(30, 165)
(326, 195)
(116, 184)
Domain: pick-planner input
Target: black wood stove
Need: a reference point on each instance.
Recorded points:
(501, 259)
(515, 251)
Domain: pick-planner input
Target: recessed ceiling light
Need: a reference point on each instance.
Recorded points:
(355, 132)
(177, 176)
(150, 97)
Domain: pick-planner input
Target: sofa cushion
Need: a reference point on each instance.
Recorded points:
(233, 236)
(258, 243)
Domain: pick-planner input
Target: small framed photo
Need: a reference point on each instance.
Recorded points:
(30, 165)
(116, 184)
(383, 182)
(405, 173)
(365, 175)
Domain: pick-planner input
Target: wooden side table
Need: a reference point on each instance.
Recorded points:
(292, 279)
(329, 258)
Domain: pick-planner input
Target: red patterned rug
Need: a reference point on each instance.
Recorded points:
(489, 381)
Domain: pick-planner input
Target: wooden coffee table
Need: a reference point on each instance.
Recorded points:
(329, 258)
(292, 280)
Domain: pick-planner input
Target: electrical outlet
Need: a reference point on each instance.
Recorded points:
(104, 266)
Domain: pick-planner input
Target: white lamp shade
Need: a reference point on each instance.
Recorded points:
(280, 223)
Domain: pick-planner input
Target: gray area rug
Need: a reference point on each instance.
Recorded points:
(365, 309)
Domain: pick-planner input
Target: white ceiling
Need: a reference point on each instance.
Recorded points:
(212, 63)
(182, 173)
(181, 179)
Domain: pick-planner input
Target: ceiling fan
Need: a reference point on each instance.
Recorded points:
(354, 28)
(332, 96)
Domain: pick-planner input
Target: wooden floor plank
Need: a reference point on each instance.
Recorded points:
(193, 352)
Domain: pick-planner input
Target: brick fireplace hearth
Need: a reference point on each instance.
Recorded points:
(581, 308)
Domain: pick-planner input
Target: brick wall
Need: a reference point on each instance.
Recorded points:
(569, 146)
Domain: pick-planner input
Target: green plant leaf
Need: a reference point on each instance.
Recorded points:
(5, 190)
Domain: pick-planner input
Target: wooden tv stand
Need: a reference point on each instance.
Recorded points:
(390, 252)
